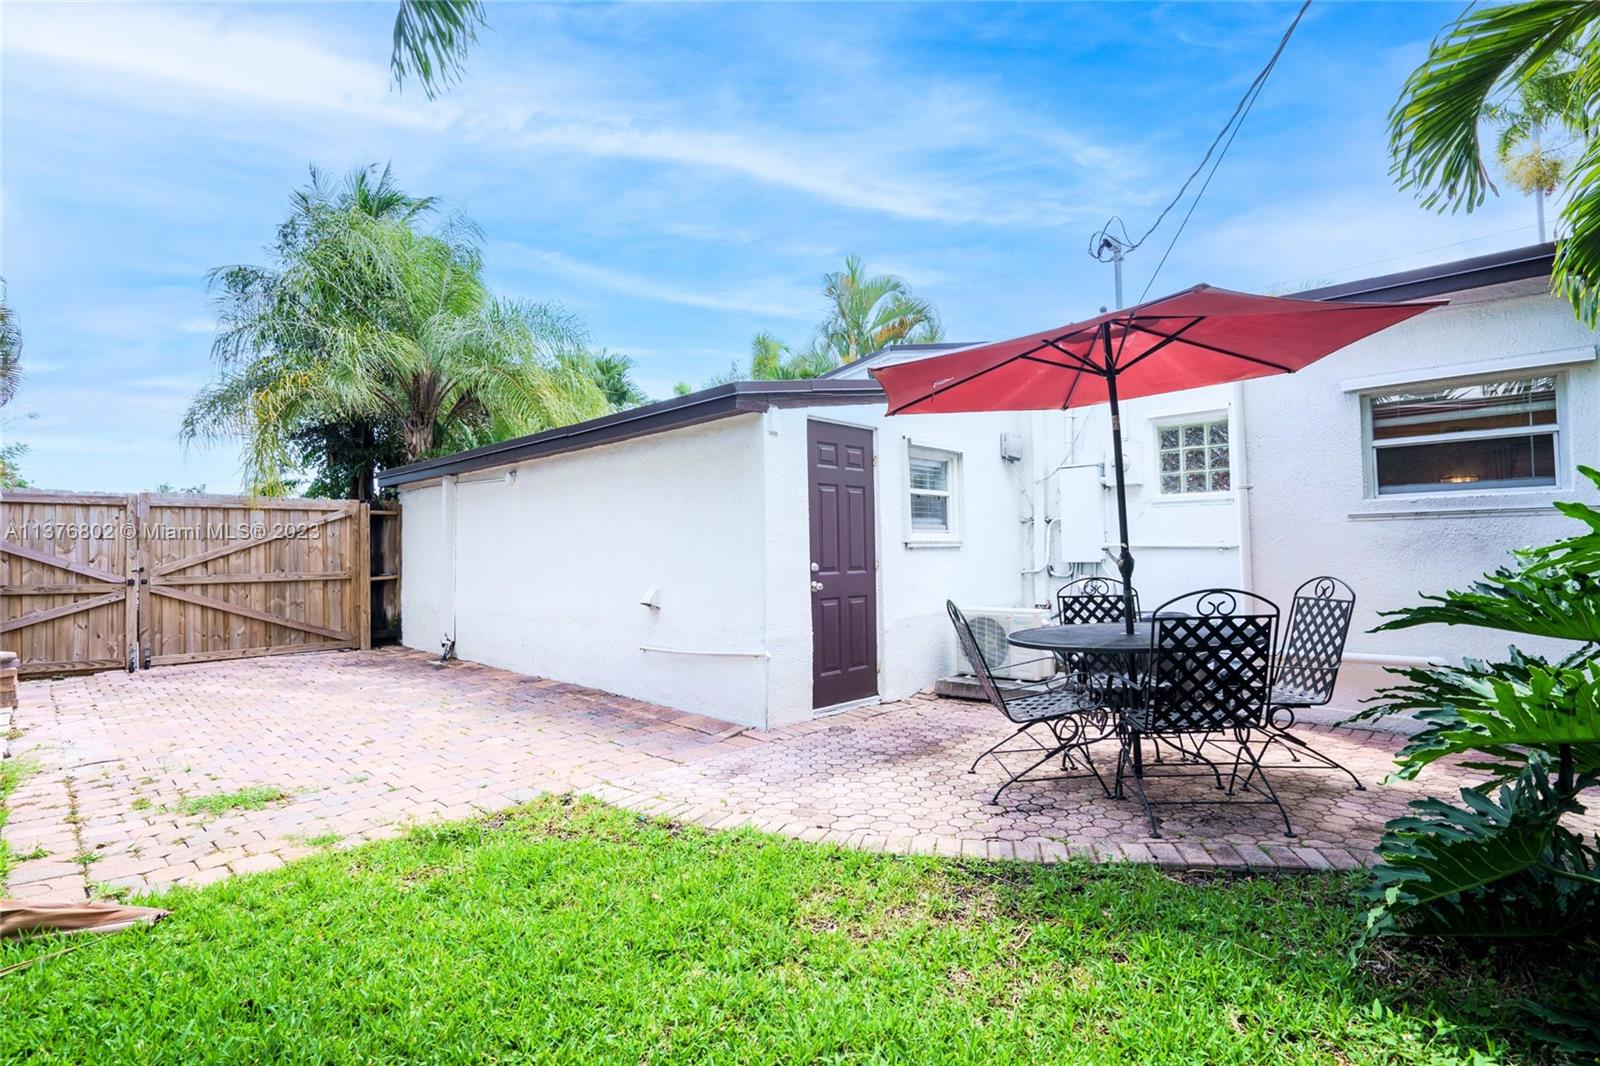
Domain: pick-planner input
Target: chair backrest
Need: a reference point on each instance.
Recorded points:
(1093, 599)
(974, 653)
(1211, 659)
(1313, 644)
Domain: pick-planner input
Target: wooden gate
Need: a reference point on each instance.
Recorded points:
(179, 578)
(67, 580)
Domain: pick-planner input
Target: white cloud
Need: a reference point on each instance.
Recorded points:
(775, 298)
(207, 51)
(989, 163)
(185, 386)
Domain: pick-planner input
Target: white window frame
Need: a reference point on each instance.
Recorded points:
(1370, 448)
(951, 535)
(1188, 418)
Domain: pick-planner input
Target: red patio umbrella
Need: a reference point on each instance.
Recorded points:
(1201, 336)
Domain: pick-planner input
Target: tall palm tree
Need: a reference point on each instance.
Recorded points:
(867, 313)
(10, 350)
(1547, 101)
(367, 319)
(1489, 55)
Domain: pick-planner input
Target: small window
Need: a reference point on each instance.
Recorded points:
(1455, 438)
(931, 487)
(1193, 457)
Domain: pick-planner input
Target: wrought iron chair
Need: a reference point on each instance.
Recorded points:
(1069, 719)
(1091, 600)
(1210, 675)
(1308, 666)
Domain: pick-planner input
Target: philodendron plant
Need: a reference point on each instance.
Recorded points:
(1503, 862)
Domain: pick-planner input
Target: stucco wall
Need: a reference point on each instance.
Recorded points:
(424, 614)
(550, 568)
(1310, 511)
(1179, 543)
(983, 570)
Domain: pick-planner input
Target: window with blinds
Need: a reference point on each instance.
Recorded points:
(931, 477)
(1444, 438)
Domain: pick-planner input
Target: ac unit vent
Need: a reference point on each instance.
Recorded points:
(990, 627)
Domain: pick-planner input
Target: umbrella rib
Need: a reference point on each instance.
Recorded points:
(1219, 351)
(1071, 391)
(1166, 339)
(1083, 361)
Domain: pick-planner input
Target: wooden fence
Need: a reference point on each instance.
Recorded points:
(92, 581)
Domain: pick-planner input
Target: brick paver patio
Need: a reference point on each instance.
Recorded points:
(363, 744)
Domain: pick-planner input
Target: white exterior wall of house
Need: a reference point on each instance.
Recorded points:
(983, 568)
(1178, 542)
(549, 568)
(543, 572)
(1311, 510)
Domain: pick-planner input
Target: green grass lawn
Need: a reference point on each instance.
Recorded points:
(570, 931)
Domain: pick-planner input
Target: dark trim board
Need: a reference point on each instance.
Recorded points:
(1481, 271)
(723, 401)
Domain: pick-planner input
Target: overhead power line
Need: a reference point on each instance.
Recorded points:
(1105, 246)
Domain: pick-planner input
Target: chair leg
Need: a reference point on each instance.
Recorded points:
(1144, 801)
(1256, 768)
(1129, 757)
(998, 745)
(1287, 738)
(1052, 753)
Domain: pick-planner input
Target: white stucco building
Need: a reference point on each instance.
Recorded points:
(667, 552)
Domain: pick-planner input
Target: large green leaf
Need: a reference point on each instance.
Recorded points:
(1504, 711)
(431, 40)
(1454, 870)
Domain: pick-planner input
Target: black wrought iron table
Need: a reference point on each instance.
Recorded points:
(1091, 638)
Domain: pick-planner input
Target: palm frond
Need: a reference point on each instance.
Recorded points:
(432, 39)
(1434, 132)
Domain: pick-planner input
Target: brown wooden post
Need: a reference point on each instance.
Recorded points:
(361, 569)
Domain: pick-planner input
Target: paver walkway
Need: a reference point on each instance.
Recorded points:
(362, 744)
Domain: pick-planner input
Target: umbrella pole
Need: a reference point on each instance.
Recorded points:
(1124, 556)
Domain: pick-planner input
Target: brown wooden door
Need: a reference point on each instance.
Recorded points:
(844, 565)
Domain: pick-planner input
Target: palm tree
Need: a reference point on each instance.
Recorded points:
(867, 314)
(612, 373)
(1495, 54)
(365, 319)
(10, 350)
(431, 40)
(772, 360)
(1548, 98)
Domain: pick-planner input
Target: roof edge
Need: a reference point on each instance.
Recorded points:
(1459, 275)
(720, 401)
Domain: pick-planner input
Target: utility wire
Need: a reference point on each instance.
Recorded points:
(1099, 243)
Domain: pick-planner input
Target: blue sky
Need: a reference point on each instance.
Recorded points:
(681, 176)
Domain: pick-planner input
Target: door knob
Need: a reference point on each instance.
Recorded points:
(815, 568)
(816, 586)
